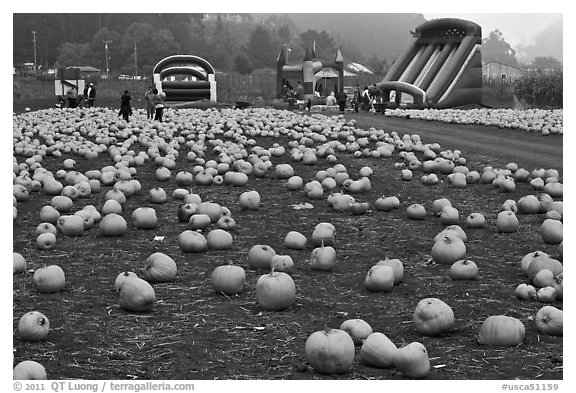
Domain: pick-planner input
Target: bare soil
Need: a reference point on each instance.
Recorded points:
(195, 333)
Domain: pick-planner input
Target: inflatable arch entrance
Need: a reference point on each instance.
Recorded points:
(196, 78)
(440, 68)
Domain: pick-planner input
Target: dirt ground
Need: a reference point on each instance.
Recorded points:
(194, 333)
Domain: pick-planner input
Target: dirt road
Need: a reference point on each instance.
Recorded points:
(488, 145)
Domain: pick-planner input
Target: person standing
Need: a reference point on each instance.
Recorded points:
(357, 97)
(90, 95)
(125, 106)
(72, 97)
(150, 104)
(300, 95)
(158, 105)
(341, 100)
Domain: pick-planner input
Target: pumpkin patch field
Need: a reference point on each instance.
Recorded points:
(269, 244)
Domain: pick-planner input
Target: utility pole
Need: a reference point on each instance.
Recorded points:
(135, 59)
(34, 45)
(106, 43)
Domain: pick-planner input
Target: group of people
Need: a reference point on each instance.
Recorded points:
(366, 98)
(154, 101)
(339, 99)
(293, 96)
(75, 100)
(154, 105)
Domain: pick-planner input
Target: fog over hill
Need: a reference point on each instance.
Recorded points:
(547, 42)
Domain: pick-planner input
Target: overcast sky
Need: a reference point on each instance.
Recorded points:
(516, 28)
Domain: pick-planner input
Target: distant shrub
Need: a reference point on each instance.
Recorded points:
(541, 89)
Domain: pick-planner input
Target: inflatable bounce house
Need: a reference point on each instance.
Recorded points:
(440, 68)
(185, 78)
(305, 71)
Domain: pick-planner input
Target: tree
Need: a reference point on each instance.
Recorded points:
(495, 48)
(148, 45)
(242, 65)
(284, 33)
(261, 48)
(545, 63)
(322, 41)
(71, 54)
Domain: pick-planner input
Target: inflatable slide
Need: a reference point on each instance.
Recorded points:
(185, 78)
(440, 68)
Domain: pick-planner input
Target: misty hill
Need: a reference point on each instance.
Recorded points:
(547, 42)
(363, 35)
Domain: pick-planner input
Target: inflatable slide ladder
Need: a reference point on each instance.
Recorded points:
(440, 68)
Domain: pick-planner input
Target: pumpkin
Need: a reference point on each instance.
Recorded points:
(49, 214)
(227, 223)
(323, 258)
(528, 204)
(543, 262)
(120, 278)
(357, 328)
(111, 206)
(558, 285)
(157, 195)
(192, 241)
(449, 215)
(249, 200)
(49, 279)
(546, 294)
(219, 239)
(448, 250)
(282, 263)
(452, 229)
(543, 278)
(275, 291)
(185, 211)
(159, 267)
(433, 317)
(463, 270)
(260, 256)
(397, 268)
(525, 291)
(501, 330)
(475, 221)
(507, 222)
(295, 240)
(527, 259)
(549, 320)
(137, 295)
(416, 212)
(33, 326)
(379, 278)
(113, 224)
(199, 221)
(551, 231)
(228, 279)
(330, 351)
(412, 360)
(19, 263)
(61, 203)
(29, 370)
(439, 204)
(387, 203)
(323, 233)
(46, 241)
(377, 351)
(144, 218)
(211, 209)
(72, 225)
